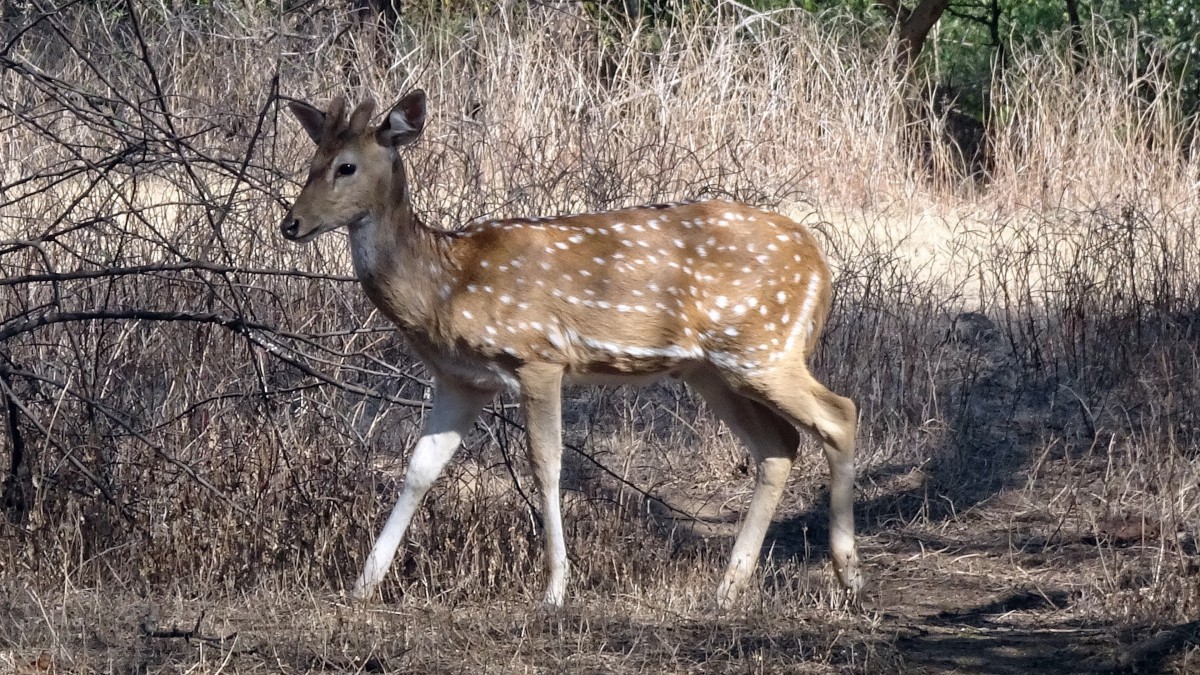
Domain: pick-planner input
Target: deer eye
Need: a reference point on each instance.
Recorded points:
(346, 170)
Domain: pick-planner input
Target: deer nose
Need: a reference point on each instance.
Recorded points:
(291, 227)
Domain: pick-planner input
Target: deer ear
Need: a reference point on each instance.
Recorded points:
(311, 119)
(404, 123)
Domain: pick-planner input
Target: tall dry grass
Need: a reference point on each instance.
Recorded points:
(203, 411)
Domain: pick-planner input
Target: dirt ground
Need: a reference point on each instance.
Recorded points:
(943, 604)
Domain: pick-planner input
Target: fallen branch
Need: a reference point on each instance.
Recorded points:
(193, 633)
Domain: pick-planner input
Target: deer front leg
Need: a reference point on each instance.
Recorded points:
(541, 391)
(455, 408)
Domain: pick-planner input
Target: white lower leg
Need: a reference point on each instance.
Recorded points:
(556, 548)
(772, 475)
(845, 560)
(454, 412)
(842, 548)
(541, 388)
(384, 550)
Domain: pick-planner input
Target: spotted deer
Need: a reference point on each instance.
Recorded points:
(726, 297)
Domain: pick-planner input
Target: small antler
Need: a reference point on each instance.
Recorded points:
(336, 117)
(362, 116)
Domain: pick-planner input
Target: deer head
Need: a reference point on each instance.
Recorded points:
(356, 175)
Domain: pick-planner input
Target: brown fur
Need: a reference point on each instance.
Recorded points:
(726, 296)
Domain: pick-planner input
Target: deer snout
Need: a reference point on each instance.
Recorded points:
(290, 227)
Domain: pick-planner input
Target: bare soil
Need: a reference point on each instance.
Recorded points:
(958, 602)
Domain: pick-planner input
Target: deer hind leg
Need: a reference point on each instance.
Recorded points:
(455, 408)
(833, 419)
(773, 443)
(541, 394)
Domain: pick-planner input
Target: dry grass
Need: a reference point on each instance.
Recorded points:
(212, 423)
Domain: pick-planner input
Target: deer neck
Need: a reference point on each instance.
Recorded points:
(402, 264)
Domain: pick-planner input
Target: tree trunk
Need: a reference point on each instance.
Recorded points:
(17, 491)
(913, 26)
(1076, 33)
